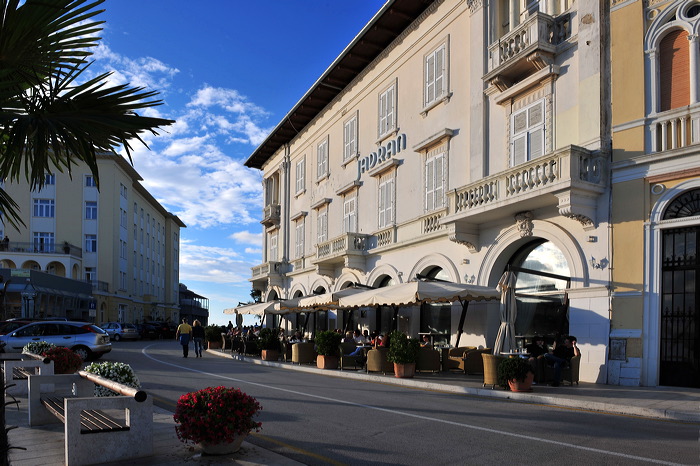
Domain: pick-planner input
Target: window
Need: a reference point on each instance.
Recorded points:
(90, 210)
(299, 239)
(122, 190)
(122, 218)
(322, 159)
(50, 179)
(122, 286)
(435, 75)
(273, 246)
(386, 202)
(90, 181)
(43, 241)
(122, 249)
(90, 243)
(322, 225)
(44, 208)
(387, 108)
(350, 215)
(350, 139)
(90, 274)
(527, 133)
(674, 70)
(301, 175)
(435, 182)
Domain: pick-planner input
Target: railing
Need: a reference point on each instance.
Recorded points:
(539, 176)
(40, 248)
(98, 285)
(386, 237)
(540, 31)
(345, 244)
(271, 214)
(265, 269)
(298, 264)
(675, 129)
(431, 222)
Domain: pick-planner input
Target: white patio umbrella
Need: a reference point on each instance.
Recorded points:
(505, 340)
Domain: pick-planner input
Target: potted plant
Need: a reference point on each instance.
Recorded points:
(212, 335)
(327, 344)
(115, 371)
(269, 344)
(216, 418)
(516, 374)
(403, 352)
(65, 361)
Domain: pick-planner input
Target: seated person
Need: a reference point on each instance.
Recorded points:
(561, 357)
(358, 338)
(425, 342)
(296, 338)
(359, 355)
(537, 348)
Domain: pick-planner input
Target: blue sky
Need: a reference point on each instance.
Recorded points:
(228, 71)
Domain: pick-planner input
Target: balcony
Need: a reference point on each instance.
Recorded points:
(674, 129)
(271, 215)
(570, 179)
(528, 48)
(41, 248)
(267, 274)
(349, 249)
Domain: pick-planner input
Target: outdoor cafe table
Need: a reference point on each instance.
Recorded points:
(514, 354)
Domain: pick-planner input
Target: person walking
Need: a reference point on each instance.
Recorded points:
(183, 334)
(198, 338)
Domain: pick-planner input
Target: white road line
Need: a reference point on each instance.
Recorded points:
(416, 416)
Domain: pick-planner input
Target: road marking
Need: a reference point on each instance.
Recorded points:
(416, 416)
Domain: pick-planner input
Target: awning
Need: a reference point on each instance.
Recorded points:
(417, 292)
(327, 301)
(257, 309)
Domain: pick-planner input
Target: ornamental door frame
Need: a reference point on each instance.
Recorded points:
(653, 245)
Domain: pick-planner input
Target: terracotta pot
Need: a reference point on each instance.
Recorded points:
(223, 448)
(404, 371)
(326, 362)
(269, 355)
(524, 386)
(213, 345)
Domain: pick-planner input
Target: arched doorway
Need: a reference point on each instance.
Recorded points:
(542, 279)
(679, 333)
(436, 318)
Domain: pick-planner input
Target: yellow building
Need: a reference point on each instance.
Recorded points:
(119, 238)
(655, 324)
(452, 140)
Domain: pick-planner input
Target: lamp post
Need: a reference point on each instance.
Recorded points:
(28, 296)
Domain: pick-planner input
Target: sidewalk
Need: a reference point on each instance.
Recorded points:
(45, 444)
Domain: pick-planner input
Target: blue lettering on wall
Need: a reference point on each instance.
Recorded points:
(383, 153)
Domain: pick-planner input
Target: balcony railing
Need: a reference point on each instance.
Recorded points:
(271, 215)
(512, 54)
(569, 173)
(265, 269)
(41, 248)
(349, 248)
(675, 129)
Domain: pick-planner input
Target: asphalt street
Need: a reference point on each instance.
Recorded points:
(318, 419)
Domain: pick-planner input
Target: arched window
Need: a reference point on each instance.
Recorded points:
(674, 70)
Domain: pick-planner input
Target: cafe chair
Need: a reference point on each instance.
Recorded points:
(568, 373)
(455, 357)
(491, 369)
(428, 360)
(473, 362)
(303, 353)
(377, 361)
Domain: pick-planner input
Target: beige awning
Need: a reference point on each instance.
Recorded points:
(412, 293)
(327, 301)
(257, 309)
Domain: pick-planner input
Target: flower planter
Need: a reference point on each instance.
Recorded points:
(213, 345)
(223, 448)
(404, 371)
(269, 355)
(524, 386)
(326, 362)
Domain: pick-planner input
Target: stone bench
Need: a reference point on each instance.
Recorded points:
(97, 429)
(16, 373)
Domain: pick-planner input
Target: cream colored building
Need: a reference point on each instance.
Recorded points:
(118, 238)
(452, 139)
(656, 193)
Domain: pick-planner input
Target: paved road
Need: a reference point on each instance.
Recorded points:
(316, 419)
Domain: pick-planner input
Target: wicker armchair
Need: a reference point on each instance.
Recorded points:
(491, 369)
(569, 373)
(303, 353)
(455, 357)
(473, 362)
(428, 360)
(347, 362)
(377, 361)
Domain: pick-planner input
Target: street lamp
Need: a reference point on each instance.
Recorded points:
(28, 295)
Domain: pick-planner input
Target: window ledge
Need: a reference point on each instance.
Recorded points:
(350, 159)
(299, 193)
(444, 99)
(432, 139)
(348, 187)
(393, 162)
(323, 178)
(389, 134)
(320, 203)
(298, 215)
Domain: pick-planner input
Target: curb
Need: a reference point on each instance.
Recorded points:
(588, 405)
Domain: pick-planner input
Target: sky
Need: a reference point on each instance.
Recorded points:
(227, 71)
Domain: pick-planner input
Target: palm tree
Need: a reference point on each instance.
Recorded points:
(50, 119)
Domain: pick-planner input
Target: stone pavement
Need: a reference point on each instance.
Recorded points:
(45, 444)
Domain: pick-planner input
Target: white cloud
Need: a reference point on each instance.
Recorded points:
(247, 237)
(212, 264)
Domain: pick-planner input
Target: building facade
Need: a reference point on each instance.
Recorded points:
(655, 335)
(193, 306)
(120, 239)
(452, 140)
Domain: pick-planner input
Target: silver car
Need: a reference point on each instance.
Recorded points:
(118, 330)
(86, 339)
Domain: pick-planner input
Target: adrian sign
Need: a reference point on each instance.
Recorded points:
(383, 153)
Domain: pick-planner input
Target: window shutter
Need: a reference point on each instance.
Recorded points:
(390, 109)
(520, 150)
(439, 72)
(439, 195)
(390, 202)
(536, 143)
(430, 78)
(674, 70)
(429, 184)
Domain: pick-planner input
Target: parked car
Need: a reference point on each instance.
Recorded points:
(147, 331)
(118, 330)
(88, 340)
(9, 325)
(166, 330)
